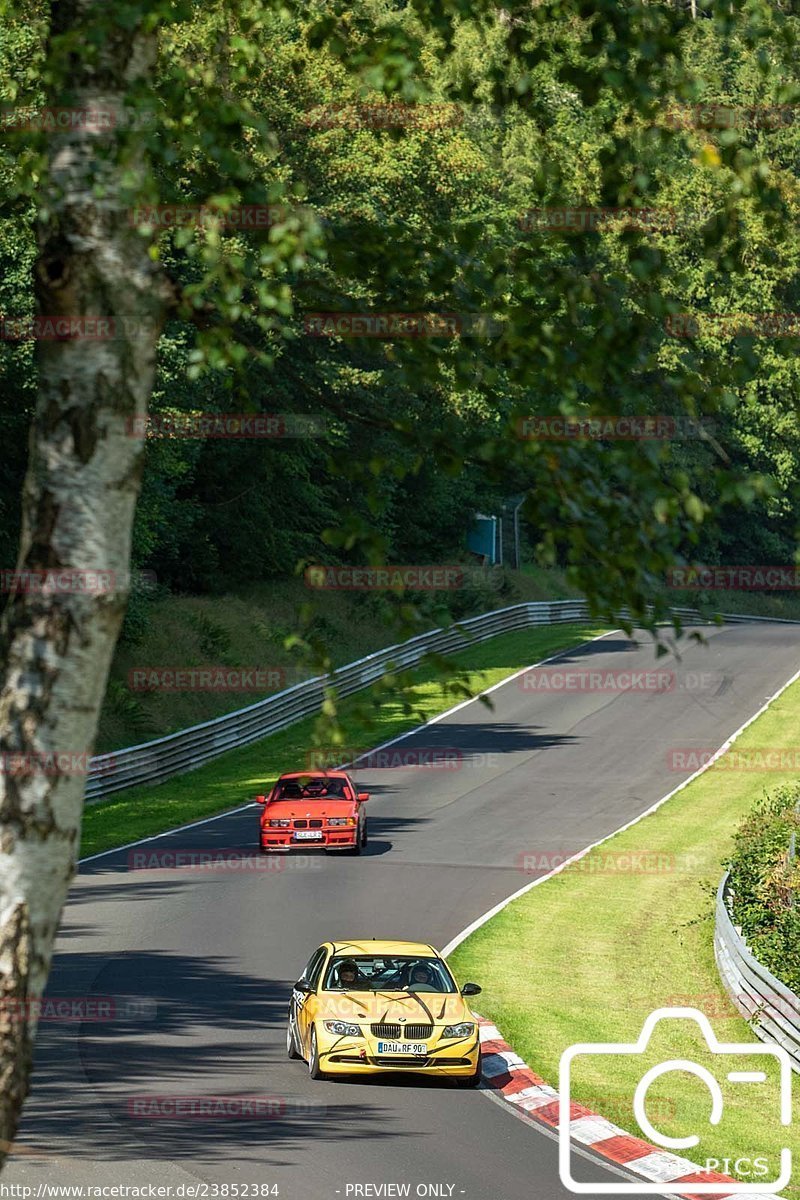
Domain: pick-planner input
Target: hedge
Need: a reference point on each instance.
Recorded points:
(764, 894)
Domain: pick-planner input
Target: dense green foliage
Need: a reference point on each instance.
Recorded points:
(558, 104)
(765, 884)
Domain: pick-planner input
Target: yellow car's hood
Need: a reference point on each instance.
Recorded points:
(417, 1007)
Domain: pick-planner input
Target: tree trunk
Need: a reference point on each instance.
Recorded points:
(78, 504)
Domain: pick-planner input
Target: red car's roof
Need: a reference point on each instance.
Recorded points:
(313, 775)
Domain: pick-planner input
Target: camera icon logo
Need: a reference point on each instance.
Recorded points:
(751, 1051)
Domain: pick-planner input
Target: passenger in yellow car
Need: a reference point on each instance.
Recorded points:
(421, 979)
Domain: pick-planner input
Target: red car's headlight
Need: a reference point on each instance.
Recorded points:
(279, 823)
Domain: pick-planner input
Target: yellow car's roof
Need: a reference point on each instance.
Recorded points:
(379, 947)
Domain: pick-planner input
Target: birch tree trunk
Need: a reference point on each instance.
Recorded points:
(78, 505)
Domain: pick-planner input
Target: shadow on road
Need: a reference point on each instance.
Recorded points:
(108, 1088)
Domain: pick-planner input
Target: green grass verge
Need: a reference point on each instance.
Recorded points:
(781, 605)
(237, 776)
(588, 954)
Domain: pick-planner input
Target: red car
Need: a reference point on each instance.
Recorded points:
(313, 808)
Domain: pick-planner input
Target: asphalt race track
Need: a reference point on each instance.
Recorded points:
(212, 955)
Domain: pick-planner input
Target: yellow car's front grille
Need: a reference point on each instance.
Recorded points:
(390, 1032)
(393, 1032)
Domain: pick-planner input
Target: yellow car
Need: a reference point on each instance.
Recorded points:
(361, 1008)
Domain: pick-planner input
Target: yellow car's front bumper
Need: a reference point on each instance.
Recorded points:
(346, 1055)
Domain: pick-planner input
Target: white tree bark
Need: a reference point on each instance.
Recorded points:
(78, 505)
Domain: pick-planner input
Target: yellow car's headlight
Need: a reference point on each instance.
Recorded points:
(458, 1031)
(343, 1028)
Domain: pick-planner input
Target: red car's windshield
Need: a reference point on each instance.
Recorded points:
(313, 789)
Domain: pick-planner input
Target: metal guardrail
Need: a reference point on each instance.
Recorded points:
(772, 1010)
(153, 762)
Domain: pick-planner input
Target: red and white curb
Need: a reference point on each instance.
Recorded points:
(505, 1073)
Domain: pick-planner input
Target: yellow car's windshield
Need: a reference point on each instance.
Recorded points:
(399, 973)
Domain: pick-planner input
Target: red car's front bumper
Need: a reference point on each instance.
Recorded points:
(335, 838)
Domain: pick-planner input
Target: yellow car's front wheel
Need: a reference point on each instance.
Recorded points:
(314, 1069)
(291, 1045)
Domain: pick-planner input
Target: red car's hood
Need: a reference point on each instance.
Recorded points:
(309, 808)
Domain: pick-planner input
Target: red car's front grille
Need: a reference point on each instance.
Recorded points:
(301, 824)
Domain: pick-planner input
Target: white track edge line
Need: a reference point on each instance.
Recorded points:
(584, 1151)
(487, 916)
(472, 699)
(433, 721)
(480, 921)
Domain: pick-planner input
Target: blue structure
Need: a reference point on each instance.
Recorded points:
(484, 538)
